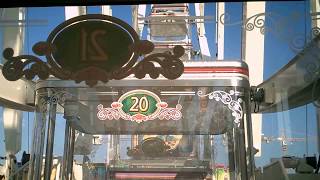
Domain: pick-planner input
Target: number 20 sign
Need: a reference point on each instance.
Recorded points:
(139, 105)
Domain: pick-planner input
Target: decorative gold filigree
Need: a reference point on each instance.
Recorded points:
(141, 62)
(169, 65)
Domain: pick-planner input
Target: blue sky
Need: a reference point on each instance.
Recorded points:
(277, 54)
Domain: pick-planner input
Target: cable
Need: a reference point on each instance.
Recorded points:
(318, 166)
(307, 150)
(28, 134)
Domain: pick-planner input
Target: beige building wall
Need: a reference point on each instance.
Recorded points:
(253, 55)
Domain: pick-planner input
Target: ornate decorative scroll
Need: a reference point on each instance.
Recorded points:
(226, 98)
(114, 113)
(278, 25)
(57, 97)
(255, 21)
(30, 66)
(98, 62)
(315, 31)
(171, 113)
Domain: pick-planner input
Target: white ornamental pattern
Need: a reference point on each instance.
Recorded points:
(226, 98)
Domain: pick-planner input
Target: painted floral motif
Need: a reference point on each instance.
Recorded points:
(114, 113)
(171, 113)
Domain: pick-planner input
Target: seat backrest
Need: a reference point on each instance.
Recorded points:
(275, 171)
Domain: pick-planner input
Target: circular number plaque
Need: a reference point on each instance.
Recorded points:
(139, 102)
(92, 40)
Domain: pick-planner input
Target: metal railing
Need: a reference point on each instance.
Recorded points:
(21, 173)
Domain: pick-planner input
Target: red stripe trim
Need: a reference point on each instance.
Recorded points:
(145, 175)
(184, 44)
(176, 14)
(172, 6)
(171, 45)
(216, 70)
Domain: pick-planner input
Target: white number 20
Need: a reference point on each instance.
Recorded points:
(141, 104)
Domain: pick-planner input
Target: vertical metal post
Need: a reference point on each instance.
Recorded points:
(220, 10)
(36, 158)
(34, 147)
(318, 125)
(67, 163)
(134, 141)
(241, 147)
(106, 10)
(71, 151)
(207, 147)
(231, 154)
(50, 140)
(134, 10)
(65, 151)
(41, 143)
(212, 155)
(117, 150)
(200, 147)
(249, 131)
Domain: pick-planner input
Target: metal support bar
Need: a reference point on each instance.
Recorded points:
(71, 151)
(32, 157)
(36, 159)
(177, 18)
(67, 162)
(220, 10)
(318, 125)
(242, 151)
(174, 23)
(212, 155)
(250, 153)
(50, 140)
(39, 161)
(231, 153)
(65, 151)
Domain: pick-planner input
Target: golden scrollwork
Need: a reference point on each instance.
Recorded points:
(140, 63)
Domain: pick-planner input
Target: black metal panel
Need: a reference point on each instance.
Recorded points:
(47, 3)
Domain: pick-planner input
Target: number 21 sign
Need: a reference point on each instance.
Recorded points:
(94, 48)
